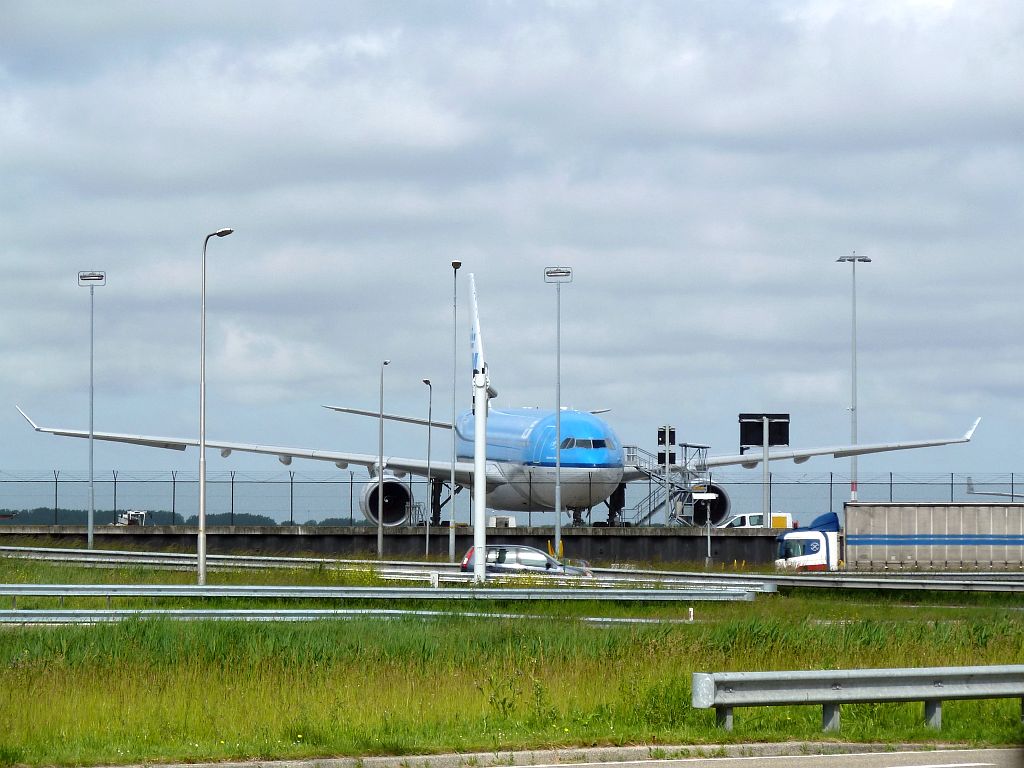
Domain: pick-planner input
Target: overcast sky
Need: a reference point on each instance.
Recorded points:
(700, 165)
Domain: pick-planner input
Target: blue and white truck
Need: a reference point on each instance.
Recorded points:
(814, 548)
(897, 536)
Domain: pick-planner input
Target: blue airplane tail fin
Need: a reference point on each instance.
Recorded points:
(476, 341)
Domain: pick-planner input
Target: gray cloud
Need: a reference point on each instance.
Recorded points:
(701, 165)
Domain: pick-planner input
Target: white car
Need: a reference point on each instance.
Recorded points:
(518, 558)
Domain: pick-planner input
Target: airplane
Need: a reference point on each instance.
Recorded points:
(520, 452)
(1012, 496)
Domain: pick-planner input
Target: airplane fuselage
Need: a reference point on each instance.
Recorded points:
(522, 444)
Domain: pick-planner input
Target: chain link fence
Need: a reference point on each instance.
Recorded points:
(317, 498)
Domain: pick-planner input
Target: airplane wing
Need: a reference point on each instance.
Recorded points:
(972, 491)
(389, 416)
(438, 469)
(799, 456)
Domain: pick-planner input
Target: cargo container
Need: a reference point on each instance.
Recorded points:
(934, 536)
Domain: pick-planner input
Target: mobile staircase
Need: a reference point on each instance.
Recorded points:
(671, 486)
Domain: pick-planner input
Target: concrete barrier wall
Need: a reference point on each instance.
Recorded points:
(598, 545)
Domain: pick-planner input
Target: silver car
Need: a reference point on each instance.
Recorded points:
(518, 558)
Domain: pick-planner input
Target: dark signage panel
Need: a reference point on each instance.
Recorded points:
(752, 429)
(778, 432)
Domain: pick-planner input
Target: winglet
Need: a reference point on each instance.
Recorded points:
(34, 425)
(967, 435)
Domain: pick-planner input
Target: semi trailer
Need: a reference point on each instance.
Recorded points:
(896, 536)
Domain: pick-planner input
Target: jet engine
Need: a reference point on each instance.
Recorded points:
(716, 509)
(397, 501)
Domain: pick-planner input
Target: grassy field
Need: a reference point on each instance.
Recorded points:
(161, 691)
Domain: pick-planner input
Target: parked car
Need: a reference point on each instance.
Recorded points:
(518, 558)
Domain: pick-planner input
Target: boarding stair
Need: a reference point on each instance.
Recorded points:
(671, 486)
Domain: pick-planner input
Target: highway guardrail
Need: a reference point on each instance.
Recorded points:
(830, 688)
(370, 593)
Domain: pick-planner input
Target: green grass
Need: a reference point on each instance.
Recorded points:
(160, 691)
(157, 690)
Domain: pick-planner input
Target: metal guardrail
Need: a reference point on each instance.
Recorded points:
(69, 554)
(370, 593)
(902, 582)
(391, 570)
(938, 582)
(100, 616)
(830, 688)
(413, 570)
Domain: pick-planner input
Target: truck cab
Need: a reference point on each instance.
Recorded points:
(814, 548)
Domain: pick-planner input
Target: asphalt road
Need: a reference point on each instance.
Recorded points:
(1002, 758)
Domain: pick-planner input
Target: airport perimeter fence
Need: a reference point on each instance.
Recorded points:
(60, 497)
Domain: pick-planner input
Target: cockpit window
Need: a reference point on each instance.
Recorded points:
(582, 442)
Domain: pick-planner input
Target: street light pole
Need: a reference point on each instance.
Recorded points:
(455, 339)
(558, 275)
(92, 279)
(430, 483)
(201, 543)
(853, 258)
(380, 468)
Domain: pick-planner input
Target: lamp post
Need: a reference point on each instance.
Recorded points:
(430, 483)
(853, 258)
(558, 275)
(201, 543)
(380, 467)
(92, 278)
(455, 338)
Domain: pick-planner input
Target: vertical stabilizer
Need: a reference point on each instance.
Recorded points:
(476, 342)
(481, 393)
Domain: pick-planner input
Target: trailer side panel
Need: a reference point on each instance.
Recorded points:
(934, 536)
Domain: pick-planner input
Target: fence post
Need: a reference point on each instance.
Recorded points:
(56, 473)
(830, 500)
(291, 497)
(890, 487)
(933, 714)
(114, 471)
(950, 487)
(351, 480)
(174, 493)
(232, 498)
